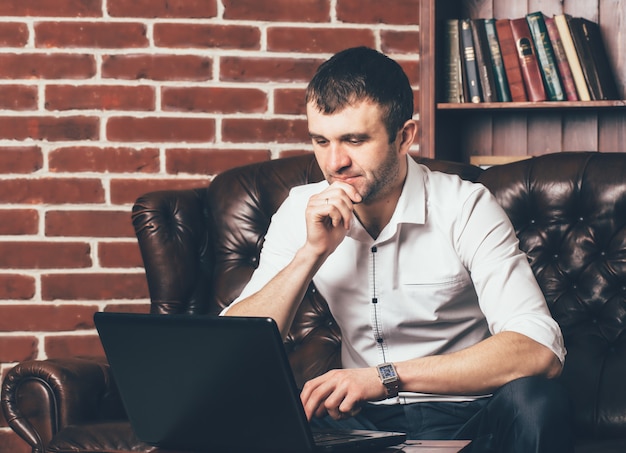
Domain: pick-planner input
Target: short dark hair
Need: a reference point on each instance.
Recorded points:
(362, 73)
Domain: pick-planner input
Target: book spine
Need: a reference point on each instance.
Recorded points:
(469, 60)
(533, 80)
(585, 57)
(502, 85)
(607, 87)
(452, 90)
(561, 60)
(572, 57)
(545, 56)
(511, 61)
(483, 61)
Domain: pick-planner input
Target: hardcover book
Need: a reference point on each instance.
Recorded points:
(483, 61)
(452, 87)
(531, 74)
(545, 56)
(569, 86)
(469, 62)
(572, 57)
(502, 85)
(593, 58)
(512, 67)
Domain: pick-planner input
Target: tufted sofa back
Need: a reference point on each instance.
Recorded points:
(569, 211)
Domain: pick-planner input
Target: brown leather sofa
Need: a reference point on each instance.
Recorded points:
(201, 246)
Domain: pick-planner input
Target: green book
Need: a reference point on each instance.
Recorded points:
(502, 84)
(545, 56)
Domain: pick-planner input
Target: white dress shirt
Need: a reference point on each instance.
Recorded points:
(445, 273)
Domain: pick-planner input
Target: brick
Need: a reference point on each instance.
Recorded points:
(18, 97)
(13, 34)
(15, 222)
(289, 101)
(56, 8)
(20, 159)
(242, 69)
(114, 35)
(399, 41)
(51, 190)
(44, 255)
(161, 129)
(214, 100)
(163, 8)
(243, 130)
(99, 97)
(49, 128)
(158, 67)
(16, 287)
(46, 317)
(396, 12)
(411, 68)
(93, 286)
(317, 40)
(47, 66)
(18, 349)
(88, 224)
(242, 37)
(211, 162)
(278, 10)
(128, 190)
(104, 160)
(119, 254)
(73, 346)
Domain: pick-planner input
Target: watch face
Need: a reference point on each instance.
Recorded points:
(387, 372)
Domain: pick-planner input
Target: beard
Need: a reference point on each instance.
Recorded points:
(381, 182)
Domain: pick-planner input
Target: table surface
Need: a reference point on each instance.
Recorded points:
(410, 446)
(430, 446)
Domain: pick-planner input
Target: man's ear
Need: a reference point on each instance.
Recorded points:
(408, 134)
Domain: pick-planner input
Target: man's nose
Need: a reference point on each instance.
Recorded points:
(338, 157)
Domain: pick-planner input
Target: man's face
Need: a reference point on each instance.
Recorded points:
(352, 145)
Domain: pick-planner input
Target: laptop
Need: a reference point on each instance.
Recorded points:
(214, 384)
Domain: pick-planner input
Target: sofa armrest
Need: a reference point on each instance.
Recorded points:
(41, 397)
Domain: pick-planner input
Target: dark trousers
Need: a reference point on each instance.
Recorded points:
(524, 416)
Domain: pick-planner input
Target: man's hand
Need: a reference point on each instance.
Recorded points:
(328, 217)
(340, 393)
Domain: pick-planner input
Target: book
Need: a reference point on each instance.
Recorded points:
(469, 62)
(545, 56)
(593, 58)
(569, 87)
(502, 85)
(572, 57)
(452, 86)
(531, 74)
(508, 49)
(483, 61)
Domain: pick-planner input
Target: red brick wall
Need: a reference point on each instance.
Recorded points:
(103, 100)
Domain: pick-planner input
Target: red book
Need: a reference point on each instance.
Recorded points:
(511, 61)
(567, 79)
(531, 73)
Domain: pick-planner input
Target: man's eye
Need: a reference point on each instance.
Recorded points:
(356, 141)
(320, 142)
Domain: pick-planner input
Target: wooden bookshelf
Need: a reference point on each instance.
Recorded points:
(462, 131)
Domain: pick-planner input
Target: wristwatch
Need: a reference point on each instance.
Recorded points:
(389, 377)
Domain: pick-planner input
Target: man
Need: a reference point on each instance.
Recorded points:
(445, 332)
